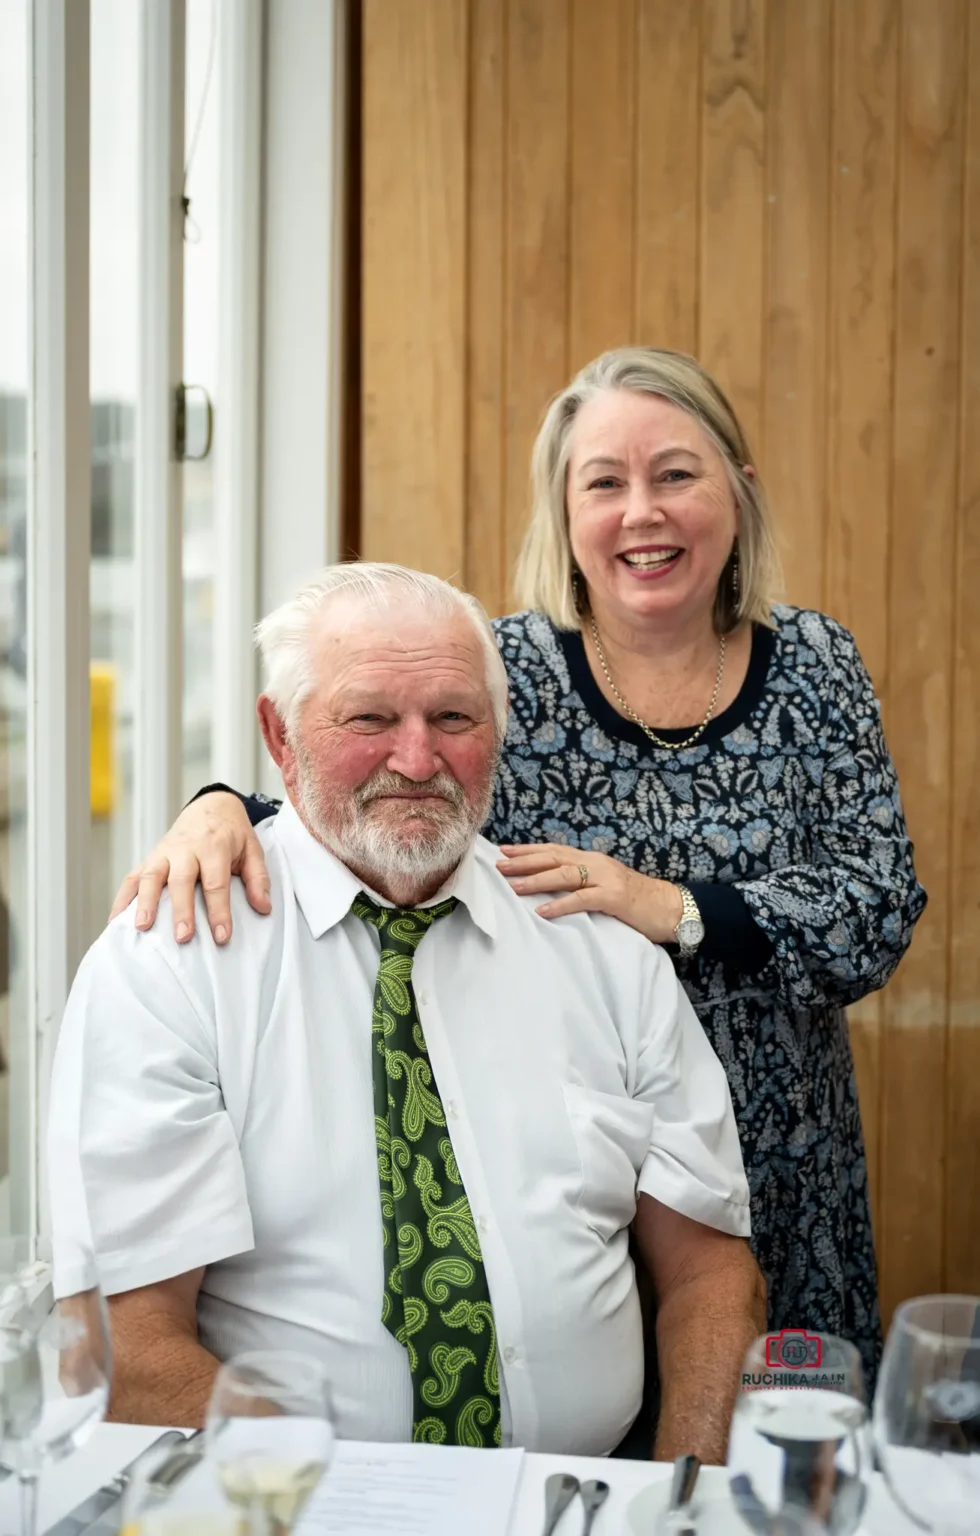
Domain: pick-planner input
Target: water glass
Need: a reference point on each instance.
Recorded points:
(799, 1454)
(927, 1413)
(270, 1435)
(167, 1496)
(55, 1368)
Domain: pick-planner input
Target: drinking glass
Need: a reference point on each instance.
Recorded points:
(799, 1453)
(55, 1367)
(270, 1434)
(167, 1496)
(927, 1413)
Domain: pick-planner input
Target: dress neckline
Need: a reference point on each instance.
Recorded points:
(616, 725)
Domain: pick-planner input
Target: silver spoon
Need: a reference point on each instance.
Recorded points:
(594, 1495)
(559, 1491)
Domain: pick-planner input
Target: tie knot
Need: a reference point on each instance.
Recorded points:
(400, 928)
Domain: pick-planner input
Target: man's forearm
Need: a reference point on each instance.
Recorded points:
(704, 1328)
(160, 1378)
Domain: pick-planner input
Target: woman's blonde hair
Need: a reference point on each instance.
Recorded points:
(546, 577)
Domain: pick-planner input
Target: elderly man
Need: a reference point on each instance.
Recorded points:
(403, 1124)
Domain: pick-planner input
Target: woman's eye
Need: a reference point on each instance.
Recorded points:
(604, 483)
(675, 476)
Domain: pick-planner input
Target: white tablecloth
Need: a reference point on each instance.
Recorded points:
(113, 1445)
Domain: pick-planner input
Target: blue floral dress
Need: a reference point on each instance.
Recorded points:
(785, 821)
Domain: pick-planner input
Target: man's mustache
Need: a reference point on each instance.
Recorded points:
(385, 783)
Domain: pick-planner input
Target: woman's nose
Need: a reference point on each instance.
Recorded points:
(642, 508)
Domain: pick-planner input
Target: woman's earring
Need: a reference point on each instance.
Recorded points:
(578, 592)
(736, 579)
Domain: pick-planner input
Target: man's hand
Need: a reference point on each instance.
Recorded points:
(211, 840)
(711, 1304)
(161, 1374)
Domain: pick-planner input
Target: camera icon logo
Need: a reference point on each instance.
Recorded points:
(793, 1348)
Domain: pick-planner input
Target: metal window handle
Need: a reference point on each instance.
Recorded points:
(180, 424)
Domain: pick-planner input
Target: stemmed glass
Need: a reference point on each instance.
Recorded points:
(927, 1413)
(55, 1367)
(799, 1454)
(270, 1434)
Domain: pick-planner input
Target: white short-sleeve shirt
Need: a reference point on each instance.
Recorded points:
(214, 1107)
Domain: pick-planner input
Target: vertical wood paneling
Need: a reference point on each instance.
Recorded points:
(797, 165)
(414, 275)
(668, 170)
(859, 415)
(537, 256)
(963, 1116)
(603, 43)
(486, 556)
(790, 189)
(927, 354)
(733, 137)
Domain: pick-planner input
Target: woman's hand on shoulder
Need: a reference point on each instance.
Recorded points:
(594, 882)
(211, 840)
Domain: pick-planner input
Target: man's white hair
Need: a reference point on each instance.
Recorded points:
(283, 636)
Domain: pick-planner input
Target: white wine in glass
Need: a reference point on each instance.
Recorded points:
(927, 1413)
(270, 1435)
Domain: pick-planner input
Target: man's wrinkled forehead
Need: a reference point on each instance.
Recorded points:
(356, 643)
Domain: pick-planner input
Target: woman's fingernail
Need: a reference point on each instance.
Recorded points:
(142, 918)
(181, 932)
(220, 933)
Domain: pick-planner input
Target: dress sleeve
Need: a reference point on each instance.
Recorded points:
(840, 922)
(259, 807)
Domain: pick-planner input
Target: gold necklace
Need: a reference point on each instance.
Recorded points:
(669, 746)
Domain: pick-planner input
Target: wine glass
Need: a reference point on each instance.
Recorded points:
(55, 1367)
(270, 1434)
(167, 1496)
(927, 1413)
(799, 1453)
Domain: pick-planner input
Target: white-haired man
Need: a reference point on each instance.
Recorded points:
(404, 1123)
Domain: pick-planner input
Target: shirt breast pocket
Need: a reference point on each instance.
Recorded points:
(612, 1133)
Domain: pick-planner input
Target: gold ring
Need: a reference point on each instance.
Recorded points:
(583, 874)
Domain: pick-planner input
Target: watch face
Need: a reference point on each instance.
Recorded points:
(690, 932)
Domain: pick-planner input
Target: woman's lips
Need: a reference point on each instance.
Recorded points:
(650, 565)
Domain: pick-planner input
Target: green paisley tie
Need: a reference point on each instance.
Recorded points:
(436, 1300)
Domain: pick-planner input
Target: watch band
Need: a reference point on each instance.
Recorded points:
(689, 915)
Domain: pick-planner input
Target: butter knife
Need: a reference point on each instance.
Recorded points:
(679, 1520)
(88, 1513)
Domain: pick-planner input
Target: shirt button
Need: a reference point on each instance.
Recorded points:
(423, 999)
(452, 1109)
(483, 1225)
(510, 1354)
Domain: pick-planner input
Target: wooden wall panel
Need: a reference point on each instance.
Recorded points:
(668, 174)
(859, 406)
(962, 1171)
(795, 384)
(414, 276)
(603, 104)
(537, 254)
(733, 207)
(927, 376)
(790, 189)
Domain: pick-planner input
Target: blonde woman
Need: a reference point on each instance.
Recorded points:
(701, 762)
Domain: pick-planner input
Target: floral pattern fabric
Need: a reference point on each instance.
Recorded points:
(790, 798)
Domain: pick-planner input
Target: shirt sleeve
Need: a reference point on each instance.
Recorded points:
(694, 1164)
(144, 1164)
(731, 933)
(259, 807)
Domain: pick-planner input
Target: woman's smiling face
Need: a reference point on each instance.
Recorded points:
(651, 510)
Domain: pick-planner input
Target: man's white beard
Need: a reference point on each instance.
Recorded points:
(377, 849)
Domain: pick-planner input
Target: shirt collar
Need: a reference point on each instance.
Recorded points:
(325, 887)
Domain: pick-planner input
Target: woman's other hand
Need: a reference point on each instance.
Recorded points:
(652, 907)
(211, 840)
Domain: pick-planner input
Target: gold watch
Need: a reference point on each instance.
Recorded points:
(690, 930)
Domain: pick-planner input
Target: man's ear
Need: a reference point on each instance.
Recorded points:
(275, 737)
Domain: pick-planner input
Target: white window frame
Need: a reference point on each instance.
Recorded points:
(59, 523)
